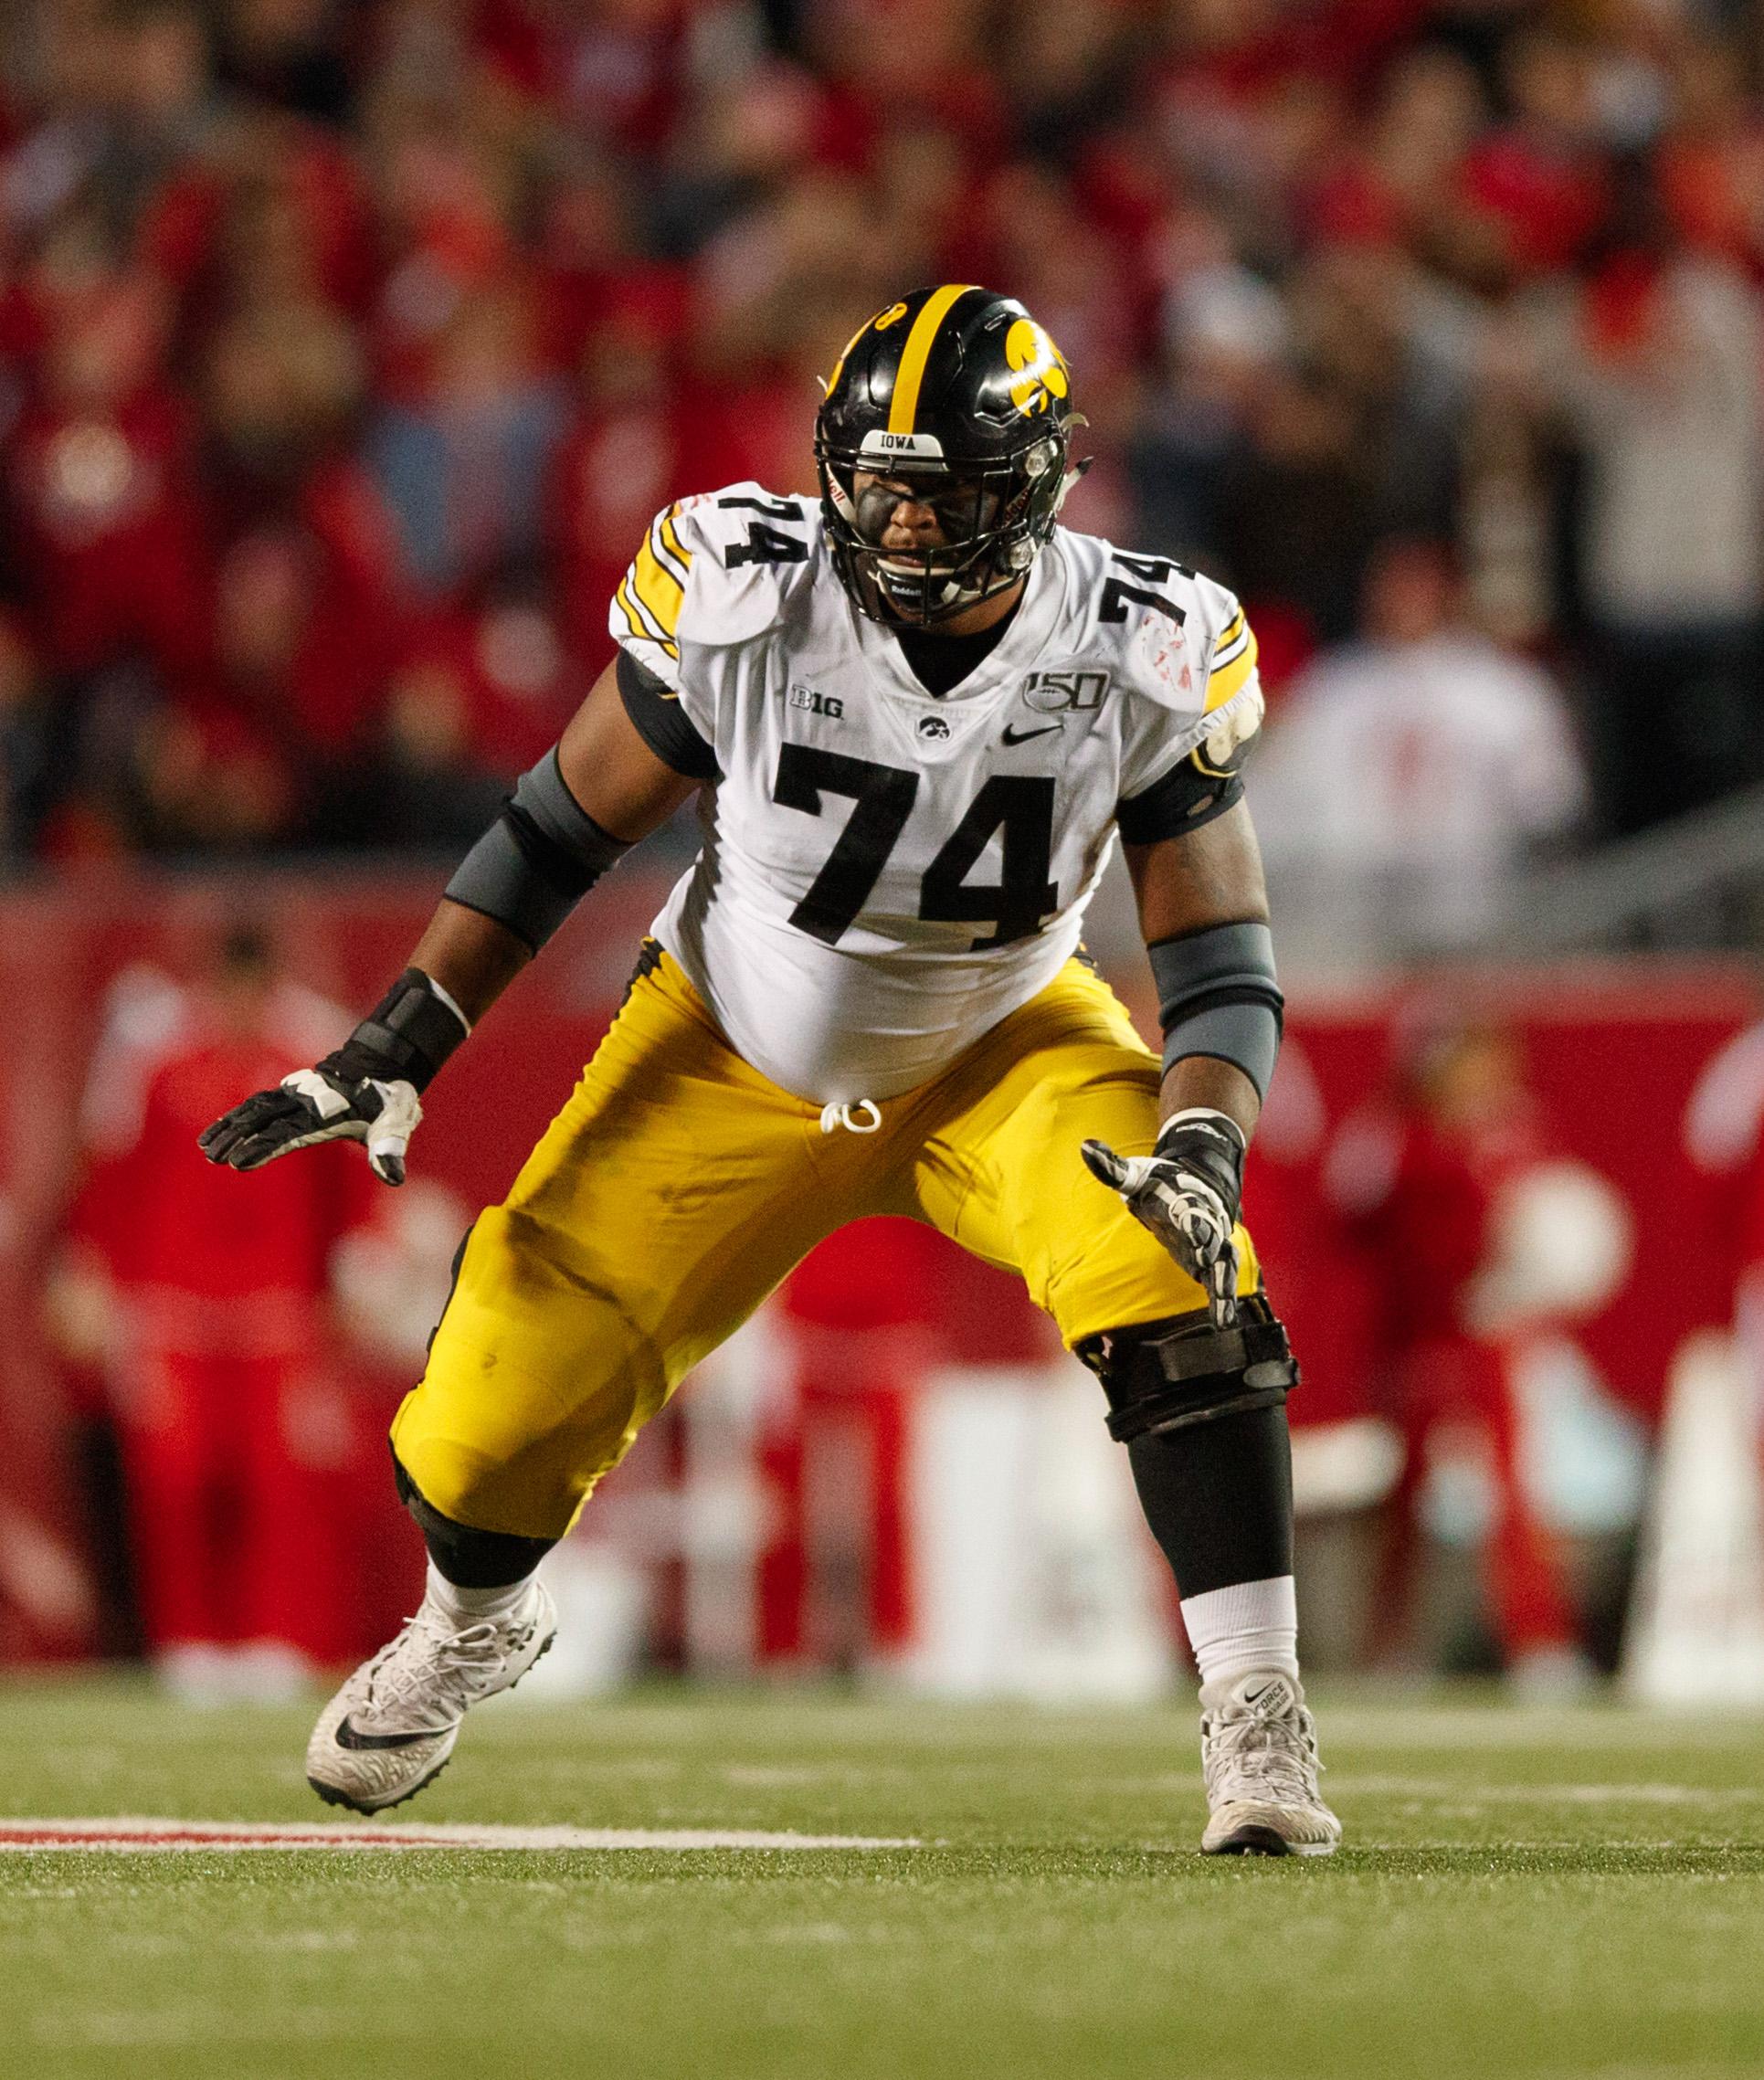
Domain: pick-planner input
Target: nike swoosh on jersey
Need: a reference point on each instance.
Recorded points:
(1012, 734)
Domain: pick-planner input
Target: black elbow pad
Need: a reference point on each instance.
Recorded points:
(538, 859)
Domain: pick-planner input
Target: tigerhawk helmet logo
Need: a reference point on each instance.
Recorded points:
(1040, 367)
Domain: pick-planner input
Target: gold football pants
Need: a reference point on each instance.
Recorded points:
(679, 1186)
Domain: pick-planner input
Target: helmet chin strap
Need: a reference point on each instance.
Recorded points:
(917, 593)
(901, 586)
(1067, 483)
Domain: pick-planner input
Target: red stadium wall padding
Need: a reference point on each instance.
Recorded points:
(1611, 1054)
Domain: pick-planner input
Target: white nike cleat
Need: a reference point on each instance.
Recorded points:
(391, 1728)
(1258, 1757)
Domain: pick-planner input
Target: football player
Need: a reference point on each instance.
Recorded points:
(914, 716)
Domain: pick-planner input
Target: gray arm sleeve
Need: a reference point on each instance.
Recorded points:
(536, 861)
(1217, 995)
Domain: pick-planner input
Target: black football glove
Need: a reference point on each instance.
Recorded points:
(367, 1091)
(1186, 1191)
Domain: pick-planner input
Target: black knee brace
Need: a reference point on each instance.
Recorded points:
(469, 1559)
(1163, 1376)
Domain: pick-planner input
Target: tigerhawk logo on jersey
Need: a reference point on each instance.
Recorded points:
(1056, 692)
(828, 705)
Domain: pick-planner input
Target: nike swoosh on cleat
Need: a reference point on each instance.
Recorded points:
(1254, 1697)
(1013, 736)
(347, 1736)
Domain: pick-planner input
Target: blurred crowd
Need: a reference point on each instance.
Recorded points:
(347, 345)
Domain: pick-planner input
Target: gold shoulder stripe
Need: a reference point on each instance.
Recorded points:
(904, 407)
(645, 614)
(1229, 634)
(630, 605)
(657, 589)
(622, 600)
(665, 556)
(1229, 678)
(670, 536)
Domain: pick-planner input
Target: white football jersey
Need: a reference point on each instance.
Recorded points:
(887, 874)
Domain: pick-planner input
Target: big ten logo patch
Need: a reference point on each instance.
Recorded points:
(827, 704)
(1063, 692)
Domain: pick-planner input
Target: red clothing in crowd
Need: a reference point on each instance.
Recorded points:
(1315, 1278)
(173, 1225)
(233, 1424)
(1428, 1205)
(100, 506)
(613, 473)
(309, 212)
(308, 605)
(864, 1317)
(858, 1316)
(503, 680)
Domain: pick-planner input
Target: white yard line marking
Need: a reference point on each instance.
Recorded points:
(171, 1836)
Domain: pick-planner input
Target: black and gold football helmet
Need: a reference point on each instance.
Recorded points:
(959, 392)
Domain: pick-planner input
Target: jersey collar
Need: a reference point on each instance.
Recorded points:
(1027, 637)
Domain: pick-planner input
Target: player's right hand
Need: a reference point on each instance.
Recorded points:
(322, 1104)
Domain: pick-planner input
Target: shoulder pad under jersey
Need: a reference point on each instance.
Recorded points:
(715, 570)
(1180, 652)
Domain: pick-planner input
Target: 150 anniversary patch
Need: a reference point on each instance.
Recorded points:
(1059, 693)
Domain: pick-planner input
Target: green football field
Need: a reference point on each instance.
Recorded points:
(1560, 1894)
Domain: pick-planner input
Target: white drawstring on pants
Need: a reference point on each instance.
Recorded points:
(851, 1117)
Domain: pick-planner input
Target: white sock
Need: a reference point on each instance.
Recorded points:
(474, 1606)
(1250, 1626)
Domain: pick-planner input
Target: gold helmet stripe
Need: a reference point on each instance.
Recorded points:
(905, 406)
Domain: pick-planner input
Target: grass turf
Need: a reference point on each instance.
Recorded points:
(1559, 1894)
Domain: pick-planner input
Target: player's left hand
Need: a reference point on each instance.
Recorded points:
(1187, 1192)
